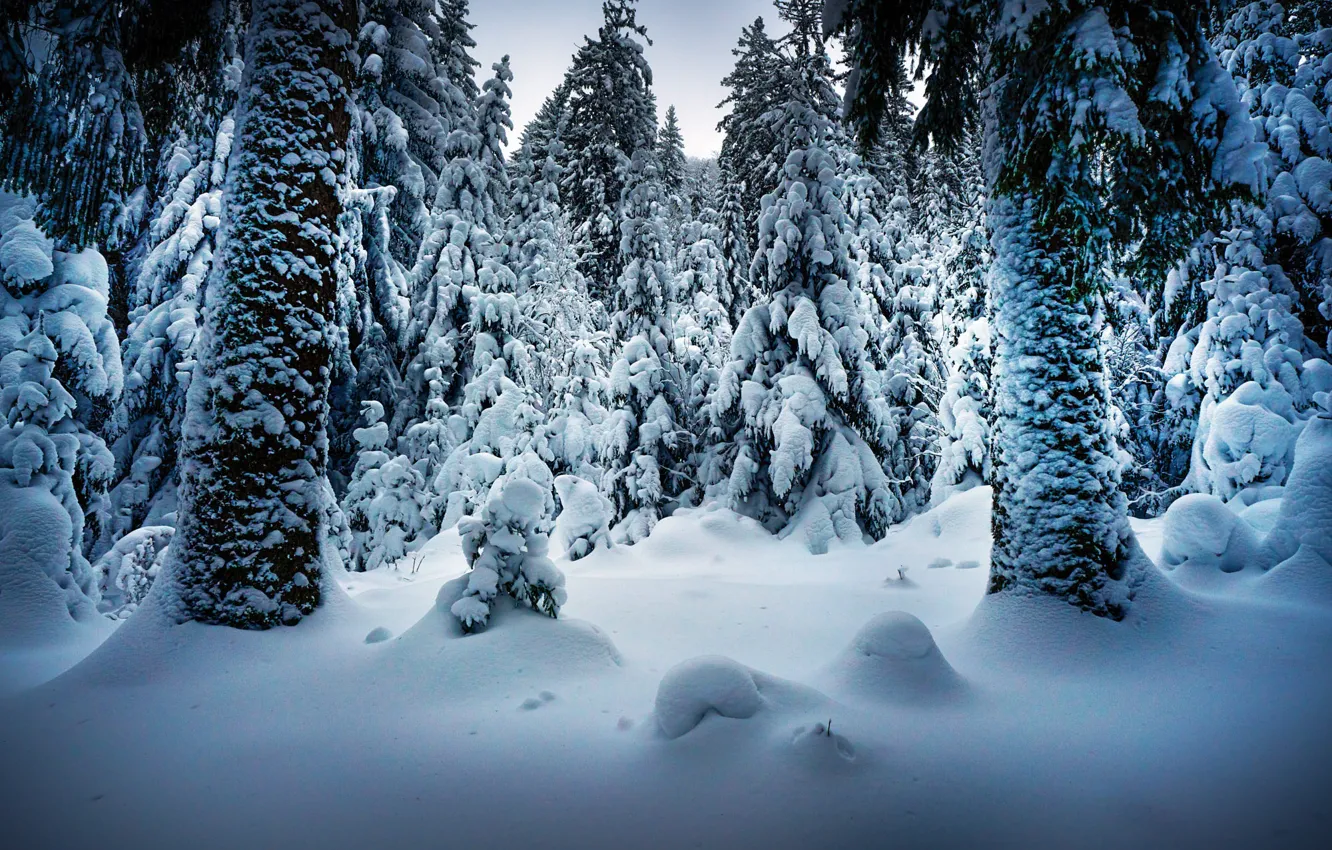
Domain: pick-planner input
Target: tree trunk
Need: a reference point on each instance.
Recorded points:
(248, 550)
(1060, 523)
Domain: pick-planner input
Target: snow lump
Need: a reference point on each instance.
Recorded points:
(692, 688)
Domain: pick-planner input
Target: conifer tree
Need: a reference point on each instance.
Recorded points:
(670, 154)
(42, 567)
(643, 440)
(166, 281)
(612, 114)
(1075, 184)
(249, 545)
(799, 398)
(756, 88)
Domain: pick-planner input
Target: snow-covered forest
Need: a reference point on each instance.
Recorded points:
(945, 461)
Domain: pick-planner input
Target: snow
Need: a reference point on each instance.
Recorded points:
(692, 689)
(941, 717)
(1201, 530)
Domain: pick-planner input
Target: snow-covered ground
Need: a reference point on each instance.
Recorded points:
(1201, 721)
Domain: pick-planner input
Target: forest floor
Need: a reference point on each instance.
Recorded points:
(1200, 721)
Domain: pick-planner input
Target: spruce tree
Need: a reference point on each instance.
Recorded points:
(756, 88)
(800, 398)
(612, 114)
(643, 440)
(249, 546)
(670, 154)
(1074, 184)
(166, 280)
(44, 576)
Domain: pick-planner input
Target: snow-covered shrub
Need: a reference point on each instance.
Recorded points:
(507, 546)
(584, 520)
(127, 571)
(1202, 531)
(1246, 443)
(41, 526)
(1306, 504)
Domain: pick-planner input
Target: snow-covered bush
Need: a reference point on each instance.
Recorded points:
(1305, 521)
(583, 524)
(1202, 531)
(1246, 443)
(381, 502)
(507, 546)
(127, 571)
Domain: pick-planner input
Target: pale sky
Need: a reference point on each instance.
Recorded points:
(691, 52)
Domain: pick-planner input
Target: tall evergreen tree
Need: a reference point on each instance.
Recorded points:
(612, 114)
(165, 279)
(756, 89)
(249, 548)
(670, 154)
(643, 441)
(800, 398)
(1075, 183)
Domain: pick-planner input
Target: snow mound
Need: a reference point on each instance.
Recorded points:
(37, 604)
(818, 747)
(379, 634)
(894, 657)
(1201, 531)
(1306, 506)
(692, 688)
(519, 647)
(1305, 578)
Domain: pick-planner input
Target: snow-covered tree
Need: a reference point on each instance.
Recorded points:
(800, 396)
(643, 440)
(381, 504)
(611, 115)
(166, 285)
(495, 355)
(568, 350)
(1117, 137)
(42, 567)
(1252, 280)
(960, 258)
(249, 546)
(734, 287)
(464, 246)
(670, 154)
(67, 293)
(1278, 54)
(756, 85)
(507, 545)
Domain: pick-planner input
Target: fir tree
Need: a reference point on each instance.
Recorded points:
(799, 397)
(43, 567)
(612, 114)
(643, 442)
(166, 282)
(1074, 184)
(756, 89)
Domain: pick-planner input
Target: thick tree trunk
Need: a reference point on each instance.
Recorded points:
(1060, 523)
(248, 546)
